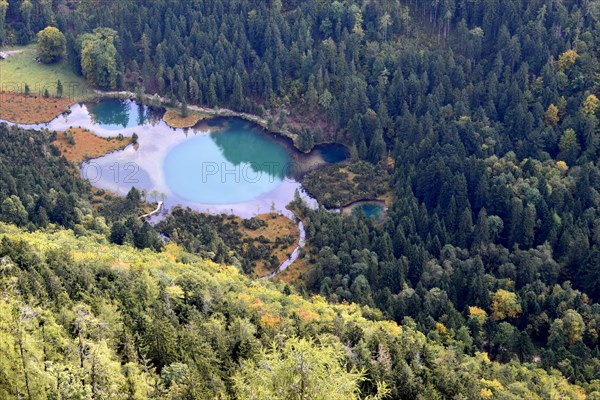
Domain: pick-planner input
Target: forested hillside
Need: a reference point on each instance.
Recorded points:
(85, 320)
(37, 186)
(485, 114)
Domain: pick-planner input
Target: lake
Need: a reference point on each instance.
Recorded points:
(222, 165)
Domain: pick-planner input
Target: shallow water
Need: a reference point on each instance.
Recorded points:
(368, 208)
(105, 118)
(372, 210)
(223, 165)
(232, 166)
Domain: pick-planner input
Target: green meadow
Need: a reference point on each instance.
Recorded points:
(20, 68)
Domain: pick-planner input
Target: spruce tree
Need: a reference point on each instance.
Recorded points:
(59, 89)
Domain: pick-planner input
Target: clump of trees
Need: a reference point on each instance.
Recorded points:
(51, 45)
(337, 185)
(275, 375)
(220, 238)
(99, 57)
(38, 186)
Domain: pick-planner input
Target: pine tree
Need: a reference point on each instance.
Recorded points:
(306, 140)
(3, 11)
(184, 109)
(377, 148)
(139, 94)
(59, 89)
(118, 232)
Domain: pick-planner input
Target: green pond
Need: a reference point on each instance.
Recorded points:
(371, 210)
(368, 208)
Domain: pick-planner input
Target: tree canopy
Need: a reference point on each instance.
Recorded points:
(475, 122)
(98, 57)
(51, 45)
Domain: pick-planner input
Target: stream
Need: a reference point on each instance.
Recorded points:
(295, 254)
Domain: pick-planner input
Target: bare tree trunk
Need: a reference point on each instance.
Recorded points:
(81, 355)
(94, 383)
(81, 349)
(24, 362)
(43, 324)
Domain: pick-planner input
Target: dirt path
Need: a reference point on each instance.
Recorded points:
(11, 52)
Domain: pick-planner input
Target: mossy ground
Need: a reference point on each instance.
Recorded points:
(33, 109)
(277, 226)
(174, 119)
(86, 145)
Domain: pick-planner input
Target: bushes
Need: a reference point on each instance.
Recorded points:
(337, 185)
(254, 223)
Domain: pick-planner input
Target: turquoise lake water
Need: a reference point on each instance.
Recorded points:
(234, 165)
(371, 210)
(224, 165)
(115, 115)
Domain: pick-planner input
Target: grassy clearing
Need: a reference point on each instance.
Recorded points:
(20, 68)
(174, 119)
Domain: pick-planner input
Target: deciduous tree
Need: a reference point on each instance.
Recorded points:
(52, 45)
(98, 57)
(299, 369)
(505, 305)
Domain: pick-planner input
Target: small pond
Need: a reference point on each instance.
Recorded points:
(369, 208)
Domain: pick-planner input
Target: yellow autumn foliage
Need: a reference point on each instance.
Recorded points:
(590, 105)
(262, 301)
(478, 313)
(505, 305)
(567, 59)
(551, 115)
(562, 166)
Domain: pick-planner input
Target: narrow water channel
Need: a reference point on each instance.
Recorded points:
(295, 254)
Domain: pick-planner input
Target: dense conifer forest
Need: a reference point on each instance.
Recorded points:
(478, 119)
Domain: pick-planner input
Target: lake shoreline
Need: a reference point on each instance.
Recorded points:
(303, 161)
(212, 113)
(158, 102)
(117, 127)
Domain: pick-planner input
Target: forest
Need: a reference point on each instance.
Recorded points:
(82, 319)
(482, 116)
